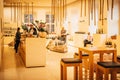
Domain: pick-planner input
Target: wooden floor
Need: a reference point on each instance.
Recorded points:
(14, 69)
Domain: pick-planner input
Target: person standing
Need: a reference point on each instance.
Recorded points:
(17, 39)
(35, 32)
(63, 34)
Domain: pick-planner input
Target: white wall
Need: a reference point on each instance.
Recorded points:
(75, 22)
(109, 26)
(38, 13)
(113, 24)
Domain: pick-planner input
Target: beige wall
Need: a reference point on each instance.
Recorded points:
(39, 14)
(113, 24)
(77, 22)
(74, 22)
(109, 26)
(1, 37)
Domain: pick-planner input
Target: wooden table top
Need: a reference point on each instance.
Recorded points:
(97, 49)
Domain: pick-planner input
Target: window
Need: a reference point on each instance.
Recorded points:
(28, 18)
(50, 23)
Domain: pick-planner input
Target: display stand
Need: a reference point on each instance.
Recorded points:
(33, 52)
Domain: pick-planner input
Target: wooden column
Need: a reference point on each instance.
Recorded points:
(81, 8)
(21, 12)
(11, 12)
(103, 12)
(112, 9)
(108, 5)
(14, 12)
(94, 12)
(85, 8)
(32, 12)
(89, 11)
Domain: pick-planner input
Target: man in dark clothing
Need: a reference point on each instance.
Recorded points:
(34, 31)
(88, 40)
(63, 35)
(17, 39)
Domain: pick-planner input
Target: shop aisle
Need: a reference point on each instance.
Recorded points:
(14, 69)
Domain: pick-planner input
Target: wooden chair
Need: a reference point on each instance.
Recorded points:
(71, 62)
(85, 62)
(107, 68)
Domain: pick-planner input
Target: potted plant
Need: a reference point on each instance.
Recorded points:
(42, 31)
(108, 44)
(24, 27)
(25, 30)
(41, 28)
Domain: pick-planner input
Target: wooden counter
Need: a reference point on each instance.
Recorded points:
(33, 52)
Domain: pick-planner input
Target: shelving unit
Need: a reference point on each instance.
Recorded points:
(9, 31)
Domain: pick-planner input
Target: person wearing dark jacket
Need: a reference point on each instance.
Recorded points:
(34, 31)
(63, 34)
(88, 40)
(17, 39)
